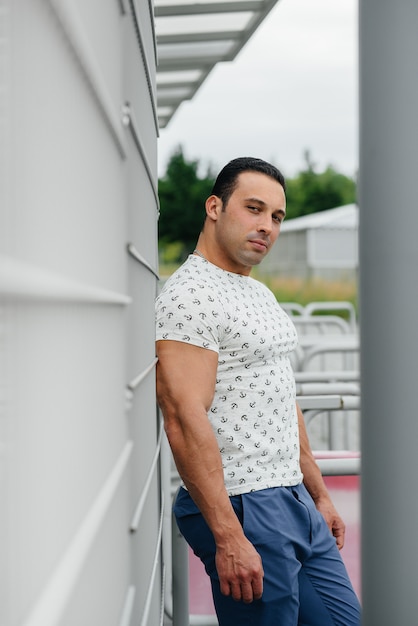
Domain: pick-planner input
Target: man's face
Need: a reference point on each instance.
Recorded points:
(249, 224)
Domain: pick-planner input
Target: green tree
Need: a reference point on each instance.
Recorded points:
(182, 194)
(310, 192)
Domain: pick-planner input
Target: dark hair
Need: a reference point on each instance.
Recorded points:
(227, 179)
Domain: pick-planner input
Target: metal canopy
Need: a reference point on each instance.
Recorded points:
(192, 37)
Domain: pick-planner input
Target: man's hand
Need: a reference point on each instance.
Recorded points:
(240, 570)
(314, 483)
(333, 520)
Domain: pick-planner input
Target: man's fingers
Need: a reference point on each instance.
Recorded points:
(236, 591)
(339, 538)
(247, 592)
(338, 530)
(225, 588)
(258, 588)
(240, 572)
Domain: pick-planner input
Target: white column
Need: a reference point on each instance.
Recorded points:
(389, 309)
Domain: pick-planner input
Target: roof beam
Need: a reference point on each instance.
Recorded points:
(226, 35)
(179, 51)
(201, 8)
(187, 63)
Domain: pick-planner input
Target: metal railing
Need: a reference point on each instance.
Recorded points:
(53, 600)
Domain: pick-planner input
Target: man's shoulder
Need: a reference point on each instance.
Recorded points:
(194, 286)
(190, 276)
(188, 310)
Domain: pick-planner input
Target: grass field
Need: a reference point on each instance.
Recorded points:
(313, 290)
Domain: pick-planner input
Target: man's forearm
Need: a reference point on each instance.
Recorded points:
(196, 454)
(316, 487)
(186, 378)
(312, 476)
(199, 464)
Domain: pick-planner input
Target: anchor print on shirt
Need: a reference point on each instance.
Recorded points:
(212, 305)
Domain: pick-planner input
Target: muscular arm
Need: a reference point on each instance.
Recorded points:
(314, 483)
(186, 377)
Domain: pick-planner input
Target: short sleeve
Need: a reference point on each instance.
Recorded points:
(188, 311)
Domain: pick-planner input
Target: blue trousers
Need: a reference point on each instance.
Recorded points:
(305, 580)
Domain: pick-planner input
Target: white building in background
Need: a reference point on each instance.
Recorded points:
(320, 245)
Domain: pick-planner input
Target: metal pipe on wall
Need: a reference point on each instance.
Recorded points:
(388, 305)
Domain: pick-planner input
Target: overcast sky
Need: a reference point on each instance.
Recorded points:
(292, 87)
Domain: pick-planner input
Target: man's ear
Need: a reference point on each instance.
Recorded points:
(213, 207)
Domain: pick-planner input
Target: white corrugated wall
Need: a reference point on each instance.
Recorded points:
(80, 505)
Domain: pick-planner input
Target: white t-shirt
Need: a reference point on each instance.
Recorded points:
(253, 413)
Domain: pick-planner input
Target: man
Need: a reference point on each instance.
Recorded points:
(254, 506)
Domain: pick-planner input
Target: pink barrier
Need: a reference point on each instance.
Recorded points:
(200, 598)
(345, 493)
